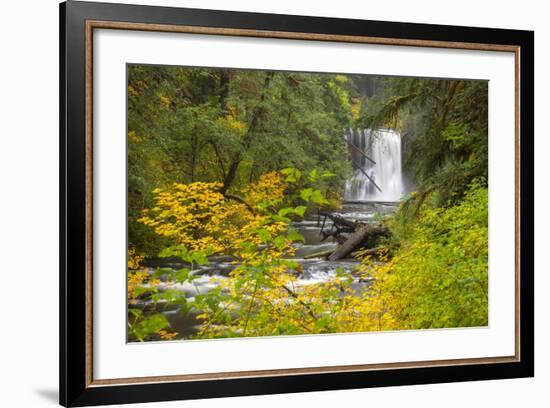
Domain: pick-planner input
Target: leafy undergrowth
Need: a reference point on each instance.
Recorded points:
(438, 277)
(433, 275)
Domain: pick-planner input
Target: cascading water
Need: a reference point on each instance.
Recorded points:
(383, 147)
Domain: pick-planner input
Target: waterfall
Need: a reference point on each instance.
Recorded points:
(383, 146)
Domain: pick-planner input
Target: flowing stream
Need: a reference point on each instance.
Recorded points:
(376, 154)
(315, 269)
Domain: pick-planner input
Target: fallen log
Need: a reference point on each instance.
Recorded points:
(338, 219)
(321, 254)
(340, 226)
(350, 235)
(364, 235)
(349, 246)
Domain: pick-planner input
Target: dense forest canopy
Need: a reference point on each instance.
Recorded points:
(445, 126)
(223, 161)
(232, 126)
(195, 124)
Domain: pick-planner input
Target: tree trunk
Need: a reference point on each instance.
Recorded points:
(322, 254)
(338, 220)
(247, 139)
(230, 176)
(355, 240)
(224, 90)
(351, 235)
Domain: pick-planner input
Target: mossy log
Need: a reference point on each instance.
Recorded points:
(351, 235)
(364, 235)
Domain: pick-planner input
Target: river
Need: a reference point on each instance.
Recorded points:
(315, 270)
(372, 192)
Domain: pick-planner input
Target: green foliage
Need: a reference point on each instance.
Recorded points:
(438, 276)
(261, 296)
(215, 125)
(221, 161)
(444, 124)
(143, 327)
(434, 276)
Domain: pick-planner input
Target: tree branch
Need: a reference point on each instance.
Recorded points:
(240, 200)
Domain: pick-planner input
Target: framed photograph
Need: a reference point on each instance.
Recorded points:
(256, 204)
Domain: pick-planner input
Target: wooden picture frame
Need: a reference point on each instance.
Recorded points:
(78, 20)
